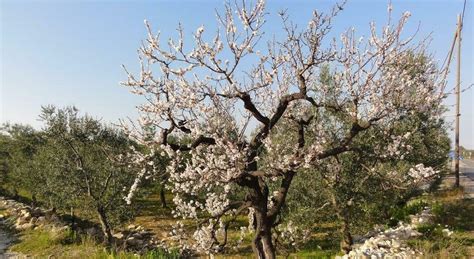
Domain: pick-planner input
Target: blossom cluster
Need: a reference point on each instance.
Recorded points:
(420, 173)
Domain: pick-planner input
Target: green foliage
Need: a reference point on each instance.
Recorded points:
(350, 193)
(18, 145)
(81, 161)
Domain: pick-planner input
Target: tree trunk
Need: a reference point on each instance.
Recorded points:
(73, 223)
(104, 223)
(34, 202)
(346, 237)
(51, 204)
(163, 197)
(262, 244)
(342, 215)
(257, 246)
(268, 248)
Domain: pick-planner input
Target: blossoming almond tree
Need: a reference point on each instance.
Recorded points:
(212, 92)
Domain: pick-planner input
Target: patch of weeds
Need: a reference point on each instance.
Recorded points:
(431, 231)
(444, 247)
(319, 246)
(457, 214)
(71, 237)
(416, 207)
(402, 213)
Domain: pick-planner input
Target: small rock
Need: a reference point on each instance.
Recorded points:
(25, 226)
(118, 235)
(131, 226)
(395, 244)
(132, 241)
(20, 221)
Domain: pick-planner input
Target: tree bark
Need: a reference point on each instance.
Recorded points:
(163, 197)
(73, 223)
(346, 237)
(15, 194)
(263, 245)
(257, 246)
(342, 215)
(34, 202)
(104, 223)
(267, 244)
(51, 204)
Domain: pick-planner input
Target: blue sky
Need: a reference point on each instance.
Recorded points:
(70, 52)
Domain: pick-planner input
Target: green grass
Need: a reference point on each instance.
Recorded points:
(32, 241)
(44, 244)
(315, 254)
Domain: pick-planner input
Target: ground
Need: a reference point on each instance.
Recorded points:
(453, 208)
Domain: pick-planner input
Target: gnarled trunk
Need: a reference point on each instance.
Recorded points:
(104, 223)
(265, 216)
(262, 244)
(267, 245)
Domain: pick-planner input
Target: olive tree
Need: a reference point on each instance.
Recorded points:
(360, 188)
(82, 158)
(212, 91)
(18, 145)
